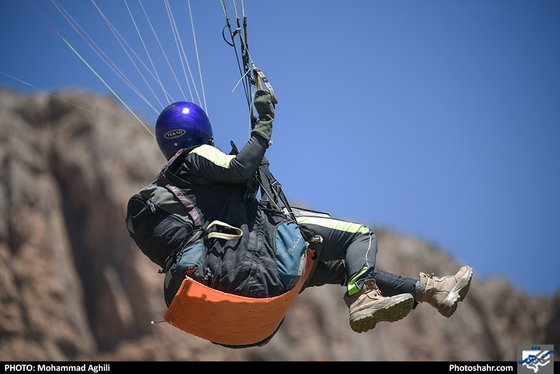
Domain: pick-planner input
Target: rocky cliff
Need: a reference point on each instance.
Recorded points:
(74, 286)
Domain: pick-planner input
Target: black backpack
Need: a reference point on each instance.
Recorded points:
(163, 223)
(157, 220)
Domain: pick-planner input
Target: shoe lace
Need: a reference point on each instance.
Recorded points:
(372, 287)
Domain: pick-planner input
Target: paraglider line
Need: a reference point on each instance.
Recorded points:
(73, 104)
(94, 72)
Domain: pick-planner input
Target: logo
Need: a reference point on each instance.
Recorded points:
(535, 359)
(174, 134)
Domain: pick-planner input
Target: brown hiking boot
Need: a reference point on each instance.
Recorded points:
(368, 307)
(444, 293)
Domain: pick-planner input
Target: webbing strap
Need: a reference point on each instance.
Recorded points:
(189, 206)
(273, 190)
(260, 78)
(224, 235)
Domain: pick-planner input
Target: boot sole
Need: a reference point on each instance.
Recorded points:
(458, 293)
(394, 312)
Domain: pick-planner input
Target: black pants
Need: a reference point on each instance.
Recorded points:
(348, 258)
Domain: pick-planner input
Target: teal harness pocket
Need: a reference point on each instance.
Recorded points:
(189, 258)
(290, 254)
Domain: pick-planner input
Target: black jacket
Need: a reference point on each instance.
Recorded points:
(222, 187)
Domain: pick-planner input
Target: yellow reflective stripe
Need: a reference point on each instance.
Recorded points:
(352, 288)
(334, 224)
(214, 155)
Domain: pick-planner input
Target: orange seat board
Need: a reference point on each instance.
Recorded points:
(230, 319)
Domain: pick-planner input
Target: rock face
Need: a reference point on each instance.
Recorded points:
(73, 285)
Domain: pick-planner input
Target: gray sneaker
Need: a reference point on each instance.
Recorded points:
(444, 293)
(368, 307)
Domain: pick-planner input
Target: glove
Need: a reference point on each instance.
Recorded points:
(265, 109)
(263, 103)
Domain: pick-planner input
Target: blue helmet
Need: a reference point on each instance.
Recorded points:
(182, 125)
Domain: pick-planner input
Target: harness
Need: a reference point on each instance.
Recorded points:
(225, 318)
(228, 319)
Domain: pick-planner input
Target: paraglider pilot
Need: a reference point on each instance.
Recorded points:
(218, 186)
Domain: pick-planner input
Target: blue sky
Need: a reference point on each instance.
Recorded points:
(438, 119)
